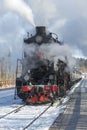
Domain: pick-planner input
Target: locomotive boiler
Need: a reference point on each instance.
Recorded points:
(39, 79)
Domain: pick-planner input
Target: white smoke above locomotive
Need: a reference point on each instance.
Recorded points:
(21, 8)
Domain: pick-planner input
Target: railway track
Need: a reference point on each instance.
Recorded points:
(13, 111)
(25, 117)
(31, 113)
(37, 117)
(55, 105)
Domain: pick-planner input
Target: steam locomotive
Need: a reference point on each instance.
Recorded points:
(39, 79)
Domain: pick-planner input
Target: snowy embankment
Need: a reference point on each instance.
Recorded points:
(18, 120)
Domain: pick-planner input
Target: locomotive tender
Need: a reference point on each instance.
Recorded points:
(37, 78)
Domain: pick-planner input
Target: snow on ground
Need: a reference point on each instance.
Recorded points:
(17, 121)
(48, 118)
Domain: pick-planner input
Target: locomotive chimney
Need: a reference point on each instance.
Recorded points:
(41, 30)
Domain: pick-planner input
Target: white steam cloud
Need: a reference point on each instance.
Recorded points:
(54, 51)
(51, 51)
(20, 7)
(67, 18)
(44, 10)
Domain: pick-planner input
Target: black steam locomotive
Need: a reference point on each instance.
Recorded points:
(38, 80)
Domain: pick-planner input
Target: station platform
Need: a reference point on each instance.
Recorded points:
(74, 116)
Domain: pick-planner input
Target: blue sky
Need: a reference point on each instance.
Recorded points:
(67, 18)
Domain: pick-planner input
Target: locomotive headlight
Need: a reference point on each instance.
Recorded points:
(39, 39)
(28, 71)
(26, 77)
(51, 77)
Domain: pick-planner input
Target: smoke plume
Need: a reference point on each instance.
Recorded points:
(20, 7)
(50, 51)
(54, 51)
(44, 11)
(67, 18)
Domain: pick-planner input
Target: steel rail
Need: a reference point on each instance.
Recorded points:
(37, 117)
(13, 111)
